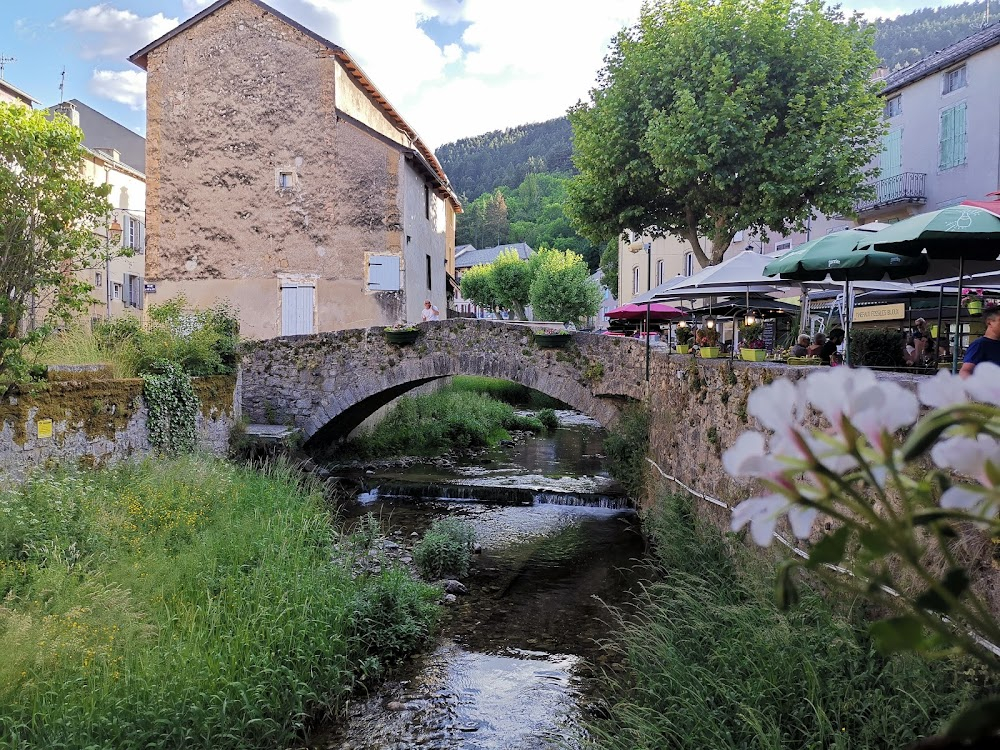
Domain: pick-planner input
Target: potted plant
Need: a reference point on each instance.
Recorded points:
(683, 336)
(973, 300)
(708, 342)
(752, 342)
(552, 338)
(401, 334)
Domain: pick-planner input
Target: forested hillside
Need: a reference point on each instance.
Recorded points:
(505, 157)
(904, 40)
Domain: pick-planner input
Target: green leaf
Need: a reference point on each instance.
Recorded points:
(874, 542)
(830, 549)
(980, 720)
(897, 634)
(955, 582)
(785, 593)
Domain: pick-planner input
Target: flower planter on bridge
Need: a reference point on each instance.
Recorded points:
(683, 348)
(552, 340)
(709, 352)
(753, 355)
(401, 336)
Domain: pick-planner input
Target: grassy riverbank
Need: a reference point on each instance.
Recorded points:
(185, 603)
(469, 413)
(711, 662)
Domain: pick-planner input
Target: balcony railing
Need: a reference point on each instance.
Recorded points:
(906, 187)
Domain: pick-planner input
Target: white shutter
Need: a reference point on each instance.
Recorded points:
(126, 291)
(296, 310)
(383, 273)
(140, 291)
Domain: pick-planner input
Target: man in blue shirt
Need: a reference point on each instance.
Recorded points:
(987, 347)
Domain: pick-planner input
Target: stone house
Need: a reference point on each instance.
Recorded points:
(282, 180)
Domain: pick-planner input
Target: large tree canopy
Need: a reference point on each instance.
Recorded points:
(48, 214)
(716, 116)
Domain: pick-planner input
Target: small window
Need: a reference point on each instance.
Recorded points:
(427, 201)
(781, 247)
(116, 291)
(894, 106)
(635, 280)
(689, 264)
(659, 272)
(98, 279)
(954, 80)
(286, 180)
(429, 275)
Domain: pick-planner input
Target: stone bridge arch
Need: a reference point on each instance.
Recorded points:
(327, 384)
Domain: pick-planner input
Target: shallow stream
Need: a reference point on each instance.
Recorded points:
(514, 663)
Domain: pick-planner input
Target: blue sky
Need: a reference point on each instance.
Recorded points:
(453, 68)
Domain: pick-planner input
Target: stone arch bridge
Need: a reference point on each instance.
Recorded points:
(327, 384)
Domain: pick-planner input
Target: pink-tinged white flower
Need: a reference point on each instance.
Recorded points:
(944, 389)
(978, 502)
(778, 406)
(892, 409)
(841, 391)
(748, 457)
(968, 456)
(831, 454)
(984, 383)
(763, 513)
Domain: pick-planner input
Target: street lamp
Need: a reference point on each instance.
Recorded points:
(648, 247)
(113, 236)
(751, 317)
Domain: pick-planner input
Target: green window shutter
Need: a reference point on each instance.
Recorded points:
(947, 128)
(960, 134)
(891, 162)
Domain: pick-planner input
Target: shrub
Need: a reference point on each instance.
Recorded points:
(548, 419)
(625, 449)
(446, 549)
(877, 347)
(684, 335)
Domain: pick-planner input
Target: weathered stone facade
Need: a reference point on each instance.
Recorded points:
(271, 162)
(331, 382)
(99, 422)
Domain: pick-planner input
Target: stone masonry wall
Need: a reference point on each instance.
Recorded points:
(99, 422)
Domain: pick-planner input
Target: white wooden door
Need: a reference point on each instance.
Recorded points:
(297, 310)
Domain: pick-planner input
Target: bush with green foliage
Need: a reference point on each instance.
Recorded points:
(561, 287)
(172, 408)
(202, 342)
(185, 603)
(445, 549)
(509, 392)
(877, 347)
(625, 450)
(548, 419)
(710, 662)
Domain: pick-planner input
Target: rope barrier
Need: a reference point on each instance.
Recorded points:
(988, 645)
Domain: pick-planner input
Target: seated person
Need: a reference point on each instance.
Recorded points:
(828, 355)
(801, 348)
(818, 341)
(910, 351)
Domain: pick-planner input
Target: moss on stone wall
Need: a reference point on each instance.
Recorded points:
(99, 407)
(215, 394)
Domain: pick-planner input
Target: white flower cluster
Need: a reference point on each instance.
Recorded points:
(808, 470)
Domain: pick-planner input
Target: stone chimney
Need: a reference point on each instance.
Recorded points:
(111, 153)
(70, 111)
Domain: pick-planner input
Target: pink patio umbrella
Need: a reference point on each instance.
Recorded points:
(656, 310)
(992, 206)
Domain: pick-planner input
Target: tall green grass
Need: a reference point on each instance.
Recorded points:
(711, 663)
(77, 345)
(185, 604)
(439, 422)
(514, 394)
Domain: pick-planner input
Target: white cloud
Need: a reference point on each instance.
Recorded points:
(107, 32)
(193, 6)
(873, 13)
(123, 86)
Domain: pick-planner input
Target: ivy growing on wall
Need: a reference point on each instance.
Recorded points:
(172, 407)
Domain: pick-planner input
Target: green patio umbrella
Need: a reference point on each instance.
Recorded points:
(836, 255)
(954, 233)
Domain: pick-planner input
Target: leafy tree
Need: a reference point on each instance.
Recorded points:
(609, 265)
(562, 288)
(497, 221)
(715, 116)
(510, 278)
(48, 214)
(477, 286)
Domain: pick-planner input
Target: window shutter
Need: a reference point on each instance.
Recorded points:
(958, 150)
(947, 129)
(140, 291)
(891, 161)
(126, 291)
(383, 273)
(142, 237)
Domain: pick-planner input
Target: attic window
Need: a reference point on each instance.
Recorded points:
(954, 80)
(286, 180)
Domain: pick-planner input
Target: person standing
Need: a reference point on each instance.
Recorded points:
(919, 335)
(987, 347)
(430, 312)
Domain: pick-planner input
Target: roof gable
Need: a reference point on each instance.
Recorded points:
(943, 58)
(141, 58)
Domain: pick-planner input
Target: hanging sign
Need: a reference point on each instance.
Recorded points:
(879, 312)
(149, 288)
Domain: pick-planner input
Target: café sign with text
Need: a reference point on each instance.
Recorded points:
(879, 312)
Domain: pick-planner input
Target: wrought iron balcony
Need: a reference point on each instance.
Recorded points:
(906, 187)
